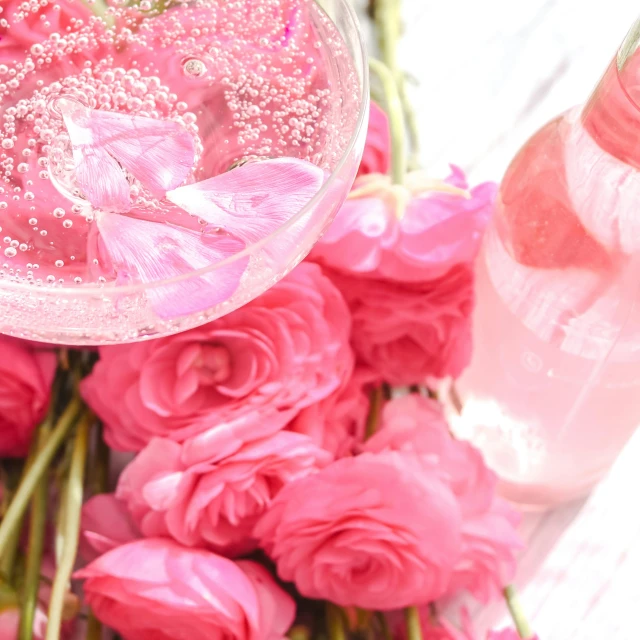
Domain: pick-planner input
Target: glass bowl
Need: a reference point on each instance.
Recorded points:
(121, 308)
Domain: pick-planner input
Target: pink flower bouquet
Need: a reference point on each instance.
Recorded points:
(285, 470)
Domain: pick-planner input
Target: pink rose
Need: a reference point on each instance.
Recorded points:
(506, 634)
(489, 545)
(26, 376)
(105, 525)
(409, 332)
(277, 609)
(338, 422)
(280, 353)
(378, 531)
(489, 525)
(416, 236)
(154, 589)
(26, 28)
(376, 157)
(23, 29)
(213, 499)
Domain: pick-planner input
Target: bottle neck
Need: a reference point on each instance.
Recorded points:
(612, 114)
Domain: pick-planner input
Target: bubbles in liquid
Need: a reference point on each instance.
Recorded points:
(248, 80)
(194, 68)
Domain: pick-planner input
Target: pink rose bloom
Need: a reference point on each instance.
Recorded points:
(506, 634)
(489, 524)
(154, 589)
(376, 157)
(213, 498)
(280, 353)
(377, 531)
(489, 545)
(23, 29)
(277, 609)
(105, 525)
(338, 422)
(26, 28)
(412, 233)
(26, 376)
(409, 332)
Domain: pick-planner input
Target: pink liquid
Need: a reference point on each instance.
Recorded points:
(248, 79)
(551, 395)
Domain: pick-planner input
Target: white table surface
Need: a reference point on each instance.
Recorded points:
(489, 73)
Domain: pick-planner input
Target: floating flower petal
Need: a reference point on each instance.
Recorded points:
(254, 200)
(158, 153)
(151, 252)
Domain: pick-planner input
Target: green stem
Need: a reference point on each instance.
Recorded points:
(39, 467)
(99, 8)
(100, 466)
(37, 526)
(94, 628)
(517, 614)
(376, 400)
(412, 123)
(388, 22)
(100, 484)
(71, 526)
(10, 553)
(396, 120)
(412, 620)
(335, 622)
(384, 625)
(387, 19)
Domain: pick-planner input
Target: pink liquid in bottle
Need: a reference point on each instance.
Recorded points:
(551, 394)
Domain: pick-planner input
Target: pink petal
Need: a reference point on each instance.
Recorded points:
(159, 153)
(100, 177)
(153, 251)
(102, 181)
(254, 200)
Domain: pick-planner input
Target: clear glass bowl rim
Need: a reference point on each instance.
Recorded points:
(363, 111)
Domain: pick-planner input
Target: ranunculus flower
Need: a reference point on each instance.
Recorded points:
(409, 332)
(376, 157)
(154, 589)
(214, 498)
(26, 376)
(489, 545)
(105, 525)
(277, 609)
(489, 525)
(506, 634)
(27, 27)
(338, 422)
(278, 354)
(376, 531)
(411, 233)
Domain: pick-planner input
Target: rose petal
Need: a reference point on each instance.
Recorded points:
(100, 177)
(154, 251)
(254, 200)
(159, 153)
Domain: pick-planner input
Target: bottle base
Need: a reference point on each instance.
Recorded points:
(540, 497)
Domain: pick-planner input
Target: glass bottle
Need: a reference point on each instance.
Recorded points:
(553, 391)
